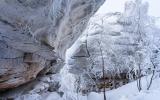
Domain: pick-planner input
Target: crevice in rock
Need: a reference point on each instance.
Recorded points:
(6, 22)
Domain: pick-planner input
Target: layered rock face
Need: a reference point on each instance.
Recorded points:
(35, 33)
(125, 41)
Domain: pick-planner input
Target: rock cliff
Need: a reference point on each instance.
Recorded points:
(35, 33)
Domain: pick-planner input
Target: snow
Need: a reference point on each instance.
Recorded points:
(67, 80)
(95, 96)
(29, 97)
(53, 96)
(130, 92)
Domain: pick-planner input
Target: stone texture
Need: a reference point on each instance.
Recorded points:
(34, 33)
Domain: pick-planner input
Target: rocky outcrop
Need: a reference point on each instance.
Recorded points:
(122, 40)
(35, 33)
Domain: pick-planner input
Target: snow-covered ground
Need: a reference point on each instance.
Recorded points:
(126, 92)
(130, 92)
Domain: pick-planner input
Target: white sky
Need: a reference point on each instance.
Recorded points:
(118, 6)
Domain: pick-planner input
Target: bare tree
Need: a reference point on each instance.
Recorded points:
(140, 31)
(139, 86)
(103, 70)
(153, 73)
